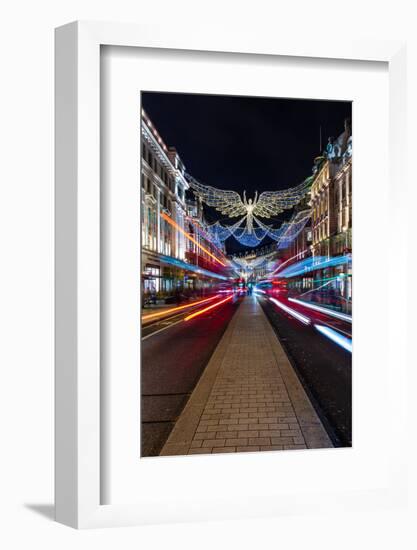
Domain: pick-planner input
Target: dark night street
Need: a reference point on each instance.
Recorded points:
(172, 362)
(324, 368)
(174, 359)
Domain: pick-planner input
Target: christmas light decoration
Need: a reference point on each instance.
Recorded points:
(284, 235)
(293, 228)
(250, 262)
(267, 205)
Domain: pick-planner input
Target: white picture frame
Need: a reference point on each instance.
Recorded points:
(78, 404)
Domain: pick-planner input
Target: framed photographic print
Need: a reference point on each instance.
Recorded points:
(215, 200)
(214, 260)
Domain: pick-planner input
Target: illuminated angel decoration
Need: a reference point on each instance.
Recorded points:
(267, 205)
(250, 207)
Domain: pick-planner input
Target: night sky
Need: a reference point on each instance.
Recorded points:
(238, 143)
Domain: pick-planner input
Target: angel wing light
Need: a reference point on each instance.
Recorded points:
(228, 203)
(271, 203)
(267, 205)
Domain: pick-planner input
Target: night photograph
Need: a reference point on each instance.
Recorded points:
(246, 274)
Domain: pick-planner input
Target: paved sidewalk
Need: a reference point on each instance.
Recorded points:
(248, 398)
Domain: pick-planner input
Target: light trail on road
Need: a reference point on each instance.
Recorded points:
(302, 318)
(322, 359)
(336, 337)
(199, 312)
(331, 312)
(161, 330)
(259, 291)
(178, 308)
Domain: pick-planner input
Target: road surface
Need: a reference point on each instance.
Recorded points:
(174, 355)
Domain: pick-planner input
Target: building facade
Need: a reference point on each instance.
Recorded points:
(331, 198)
(323, 248)
(176, 253)
(163, 188)
(331, 215)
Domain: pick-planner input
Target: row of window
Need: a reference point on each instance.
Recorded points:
(149, 233)
(152, 189)
(340, 200)
(344, 219)
(344, 187)
(320, 232)
(159, 170)
(320, 208)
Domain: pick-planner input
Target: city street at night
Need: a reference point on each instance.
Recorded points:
(323, 366)
(174, 355)
(246, 274)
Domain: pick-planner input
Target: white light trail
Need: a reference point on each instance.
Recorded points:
(330, 312)
(302, 318)
(336, 337)
(317, 288)
(299, 254)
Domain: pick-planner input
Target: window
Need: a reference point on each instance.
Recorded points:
(151, 282)
(180, 193)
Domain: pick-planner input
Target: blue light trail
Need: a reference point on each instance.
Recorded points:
(336, 337)
(327, 311)
(190, 267)
(313, 264)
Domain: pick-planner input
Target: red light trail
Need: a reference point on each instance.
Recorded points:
(189, 237)
(202, 232)
(168, 311)
(207, 308)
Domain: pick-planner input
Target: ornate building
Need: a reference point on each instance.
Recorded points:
(331, 198)
(323, 247)
(163, 191)
(331, 209)
(176, 252)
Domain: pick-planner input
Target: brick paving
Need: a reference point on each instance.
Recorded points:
(252, 401)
